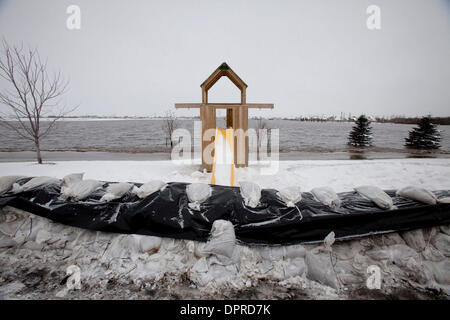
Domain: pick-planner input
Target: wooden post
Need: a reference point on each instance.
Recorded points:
(236, 118)
(229, 118)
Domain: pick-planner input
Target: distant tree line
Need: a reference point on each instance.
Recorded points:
(403, 120)
(392, 119)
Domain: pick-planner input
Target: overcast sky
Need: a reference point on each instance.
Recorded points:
(307, 57)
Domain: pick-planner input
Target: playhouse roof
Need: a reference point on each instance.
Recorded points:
(223, 70)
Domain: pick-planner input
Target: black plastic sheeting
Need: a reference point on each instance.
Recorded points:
(166, 214)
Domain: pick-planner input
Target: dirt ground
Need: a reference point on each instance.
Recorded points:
(44, 284)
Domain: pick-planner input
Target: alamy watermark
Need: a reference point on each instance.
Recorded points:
(374, 279)
(73, 21)
(373, 21)
(263, 147)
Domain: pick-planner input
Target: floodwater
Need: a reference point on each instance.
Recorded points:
(297, 140)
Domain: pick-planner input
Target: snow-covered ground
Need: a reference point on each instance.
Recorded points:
(341, 175)
(35, 253)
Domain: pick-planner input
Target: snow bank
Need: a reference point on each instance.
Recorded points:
(340, 175)
(420, 258)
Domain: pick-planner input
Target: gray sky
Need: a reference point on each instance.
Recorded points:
(307, 57)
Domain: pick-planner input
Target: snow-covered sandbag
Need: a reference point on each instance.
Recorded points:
(197, 193)
(6, 182)
(148, 188)
(329, 241)
(116, 191)
(418, 194)
(414, 239)
(290, 195)
(378, 196)
(251, 193)
(399, 254)
(72, 178)
(222, 240)
(35, 183)
(320, 269)
(81, 189)
(442, 243)
(149, 244)
(326, 196)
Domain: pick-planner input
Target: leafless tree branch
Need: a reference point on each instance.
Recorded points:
(33, 94)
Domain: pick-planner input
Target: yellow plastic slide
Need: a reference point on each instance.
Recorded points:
(223, 162)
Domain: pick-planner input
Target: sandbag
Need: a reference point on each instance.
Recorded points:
(148, 188)
(6, 182)
(222, 240)
(197, 193)
(116, 191)
(444, 200)
(251, 193)
(418, 194)
(290, 195)
(35, 183)
(327, 196)
(70, 179)
(378, 196)
(320, 269)
(81, 189)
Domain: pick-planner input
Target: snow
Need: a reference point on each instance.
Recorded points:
(341, 175)
(31, 245)
(417, 259)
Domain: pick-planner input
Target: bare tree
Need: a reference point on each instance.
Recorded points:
(30, 94)
(169, 125)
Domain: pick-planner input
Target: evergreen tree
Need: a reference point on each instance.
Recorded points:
(361, 134)
(425, 136)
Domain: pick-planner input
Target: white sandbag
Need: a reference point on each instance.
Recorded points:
(72, 178)
(329, 241)
(35, 183)
(251, 193)
(376, 195)
(398, 254)
(81, 189)
(116, 191)
(320, 269)
(148, 188)
(149, 244)
(444, 200)
(327, 196)
(418, 194)
(290, 195)
(442, 242)
(6, 182)
(197, 193)
(414, 239)
(222, 240)
(295, 267)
